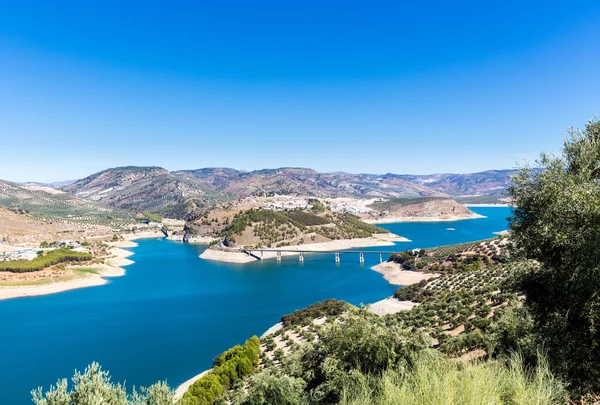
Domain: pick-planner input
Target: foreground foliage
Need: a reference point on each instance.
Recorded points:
(556, 223)
(229, 367)
(434, 379)
(94, 387)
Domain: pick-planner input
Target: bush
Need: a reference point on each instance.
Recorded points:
(229, 367)
(269, 388)
(305, 316)
(94, 387)
(437, 380)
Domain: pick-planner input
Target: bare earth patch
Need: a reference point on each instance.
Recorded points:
(390, 306)
(395, 275)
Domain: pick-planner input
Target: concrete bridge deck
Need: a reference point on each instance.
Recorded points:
(258, 253)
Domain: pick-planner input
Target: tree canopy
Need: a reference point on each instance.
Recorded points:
(556, 225)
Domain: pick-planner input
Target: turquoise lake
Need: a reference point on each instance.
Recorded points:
(173, 312)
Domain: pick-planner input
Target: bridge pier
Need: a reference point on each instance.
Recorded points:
(301, 257)
(380, 258)
(337, 257)
(261, 253)
(362, 257)
(278, 256)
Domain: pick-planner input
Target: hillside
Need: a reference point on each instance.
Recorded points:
(487, 182)
(141, 189)
(24, 229)
(302, 181)
(44, 202)
(430, 208)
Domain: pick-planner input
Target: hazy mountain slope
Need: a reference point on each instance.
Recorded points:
(56, 204)
(141, 189)
(54, 184)
(487, 182)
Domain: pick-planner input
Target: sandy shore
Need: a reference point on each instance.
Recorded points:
(380, 239)
(184, 387)
(390, 305)
(487, 205)
(204, 240)
(113, 267)
(143, 235)
(444, 218)
(394, 274)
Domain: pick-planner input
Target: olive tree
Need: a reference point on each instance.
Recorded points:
(556, 226)
(94, 387)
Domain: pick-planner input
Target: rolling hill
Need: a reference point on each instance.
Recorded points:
(44, 202)
(140, 189)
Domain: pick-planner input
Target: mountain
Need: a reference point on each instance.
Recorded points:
(304, 181)
(185, 193)
(140, 189)
(481, 183)
(54, 184)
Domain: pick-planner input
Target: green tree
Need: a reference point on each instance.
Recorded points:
(269, 388)
(94, 387)
(556, 224)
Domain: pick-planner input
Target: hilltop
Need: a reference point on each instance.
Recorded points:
(141, 189)
(417, 209)
(486, 182)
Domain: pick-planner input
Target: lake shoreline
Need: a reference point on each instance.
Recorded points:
(236, 256)
(396, 275)
(446, 218)
(99, 273)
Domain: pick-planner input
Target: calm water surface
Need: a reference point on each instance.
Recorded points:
(173, 312)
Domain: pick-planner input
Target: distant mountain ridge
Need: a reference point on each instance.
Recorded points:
(487, 182)
(182, 193)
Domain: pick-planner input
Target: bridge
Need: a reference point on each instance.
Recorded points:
(259, 253)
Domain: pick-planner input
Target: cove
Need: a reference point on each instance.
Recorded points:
(173, 312)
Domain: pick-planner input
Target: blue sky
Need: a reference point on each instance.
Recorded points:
(352, 86)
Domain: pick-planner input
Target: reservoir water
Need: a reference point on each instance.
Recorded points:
(173, 312)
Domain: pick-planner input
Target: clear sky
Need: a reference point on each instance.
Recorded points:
(376, 87)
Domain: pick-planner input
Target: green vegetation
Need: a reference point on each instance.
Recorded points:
(305, 316)
(556, 225)
(152, 217)
(280, 227)
(229, 367)
(464, 257)
(94, 387)
(306, 218)
(435, 379)
(317, 205)
(51, 258)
